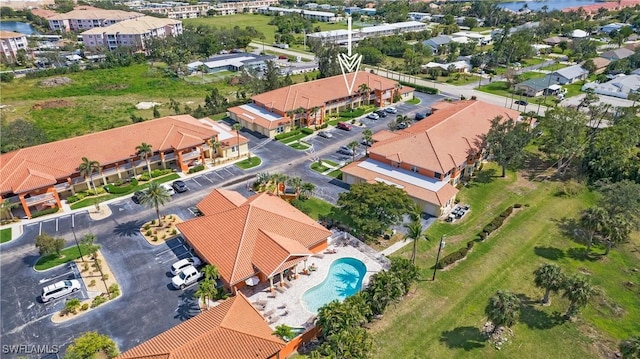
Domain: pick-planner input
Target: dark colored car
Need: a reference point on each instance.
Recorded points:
(522, 103)
(419, 116)
(344, 126)
(381, 113)
(137, 196)
(179, 186)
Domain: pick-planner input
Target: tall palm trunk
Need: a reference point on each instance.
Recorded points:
(158, 214)
(606, 251)
(547, 298)
(415, 248)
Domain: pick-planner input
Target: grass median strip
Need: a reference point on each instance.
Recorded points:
(249, 163)
(5, 235)
(66, 255)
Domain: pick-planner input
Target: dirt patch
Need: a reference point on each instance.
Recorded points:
(112, 87)
(56, 81)
(156, 235)
(52, 104)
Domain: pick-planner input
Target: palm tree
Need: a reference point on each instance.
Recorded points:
(617, 230)
(87, 168)
(144, 151)
(352, 146)
(365, 89)
(237, 127)
(278, 178)
(549, 278)
(284, 331)
(367, 136)
(630, 348)
(216, 147)
(203, 293)
(384, 288)
(592, 221)
(295, 182)
(155, 196)
(416, 232)
(211, 272)
(6, 207)
(415, 211)
(314, 112)
(307, 189)
(578, 290)
(503, 309)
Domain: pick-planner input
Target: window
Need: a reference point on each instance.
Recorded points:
(438, 175)
(233, 148)
(395, 164)
(414, 169)
(280, 129)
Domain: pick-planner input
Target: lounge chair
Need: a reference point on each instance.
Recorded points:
(287, 284)
(261, 302)
(269, 313)
(318, 255)
(274, 319)
(280, 289)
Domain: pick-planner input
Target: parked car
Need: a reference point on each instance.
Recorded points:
(168, 188)
(137, 197)
(186, 277)
(373, 116)
(346, 150)
(325, 134)
(182, 264)
(179, 186)
(521, 102)
(59, 289)
(366, 143)
(391, 109)
(344, 126)
(419, 116)
(402, 125)
(381, 113)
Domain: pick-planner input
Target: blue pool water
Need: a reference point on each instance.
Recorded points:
(343, 280)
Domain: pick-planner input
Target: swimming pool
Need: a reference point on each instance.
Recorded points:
(343, 280)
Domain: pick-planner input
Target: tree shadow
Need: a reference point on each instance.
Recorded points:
(484, 176)
(537, 319)
(128, 229)
(188, 307)
(569, 228)
(467, 338)
(550, 253)
(580, 254)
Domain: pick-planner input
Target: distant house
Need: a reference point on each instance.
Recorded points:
(617, 54)
(620, 86)
(540, 48)
(459, 66)
(606, 29)
(571, 74)
(231, 62)
(12, 42)
(435, 42)
(555, 40)
(548, 85)
(601, 64)
(579, 34)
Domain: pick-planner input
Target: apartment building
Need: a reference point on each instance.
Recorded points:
(86, 18)
(238, 7)
(177, 10)
(131, 33)
(341, 36)
(12, 42)
(322, 16)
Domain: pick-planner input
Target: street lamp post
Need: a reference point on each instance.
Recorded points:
(77, 244)
(435, 268)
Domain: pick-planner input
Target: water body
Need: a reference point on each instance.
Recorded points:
(551, 4)
(18, 26)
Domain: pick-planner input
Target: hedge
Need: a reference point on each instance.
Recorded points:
(425, 89)
(307, 131)
(196, 169)
(111, 188)
(452, 257)
(287, 134)
(497, 222)
(44, 212)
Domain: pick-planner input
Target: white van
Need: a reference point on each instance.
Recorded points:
(59, 289)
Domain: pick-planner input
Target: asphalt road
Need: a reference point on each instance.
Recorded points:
(148, 305)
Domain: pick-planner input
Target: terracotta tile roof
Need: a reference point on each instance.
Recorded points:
(319, 92)
(44, 13)
(232, 329)
(445, 139)
(59, 160)
(92, 13)
(600, 62)
(440, 197)
(262, 232)
(383, 135)
(10, 35)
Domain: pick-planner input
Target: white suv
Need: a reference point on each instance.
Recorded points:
(180, 265)
(187, 277)
(59, 289)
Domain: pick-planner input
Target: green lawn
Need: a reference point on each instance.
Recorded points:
(496, 88)
(458, 79)
(554, 67)
(68, 254)
(5, 235)
(530, 75)
(335, 174)
(249, 163)
(443, 318)
(300, 145)
(532, 61)
(90, 201)
(413, 101)
(293, 138)
(314, 207)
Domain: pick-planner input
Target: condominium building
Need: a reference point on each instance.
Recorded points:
(177, 10)
(238, 7)
(341, 36)
(12, 42)
(86, 18)
(131, 33)
(322, 16)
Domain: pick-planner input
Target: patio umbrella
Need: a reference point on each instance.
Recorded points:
(252, 281)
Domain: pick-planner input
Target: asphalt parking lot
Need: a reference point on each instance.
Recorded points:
(148, 305)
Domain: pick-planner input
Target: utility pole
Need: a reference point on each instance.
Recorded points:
(77, 244)
(435, 268)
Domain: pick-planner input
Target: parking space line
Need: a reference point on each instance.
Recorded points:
(44, 280)
(217, 174)
(198, 183)
(73, 221)
(40, 229)
(208, 179)
(57, 224)
(226, 169)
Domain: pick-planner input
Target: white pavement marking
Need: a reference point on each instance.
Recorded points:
(208, 179)
(198, 183)
(57, 220)
(217, 174)
(40, 230)
(73, 221)
(52, 278)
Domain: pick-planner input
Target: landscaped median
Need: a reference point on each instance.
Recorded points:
(250, 162)
(157, 232)
(5, 235)
(98, 280)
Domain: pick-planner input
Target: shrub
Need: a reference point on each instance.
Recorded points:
(160, 172)
(155, 238)
(164, 236)
(105, 277)
(6, 77)
(517, 205)
(196, 169)
(93, 283)
(488, 228)
(507, 212)
(174, 232)
(84, 307)
(72, 305)
(114, 291)
(452, 258)
(147, 226)
(148, 233)
(85, 267)
(497, 222)
(122, 189)
(153, 221)
(429, 90)
(470, 244)
(307, 131)
(72, 199)
(97, 301)
(483, 236)
(287, 134)
(144, 177)
(324, 125)
(97, 191)
(44, 212)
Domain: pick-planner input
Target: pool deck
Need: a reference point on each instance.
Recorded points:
(287, 307)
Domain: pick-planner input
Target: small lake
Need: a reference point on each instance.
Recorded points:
(17, 26)
(551, 4)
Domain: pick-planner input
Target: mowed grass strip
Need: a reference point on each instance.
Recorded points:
(67, 255)
(444, 318)
(5, 235)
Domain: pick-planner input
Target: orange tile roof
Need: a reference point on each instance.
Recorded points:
(262, 232)
(232, 329)
(445, 139)
(444, 194)
(10, 35)
(44, 13)
(34, 167)
(320, 92)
